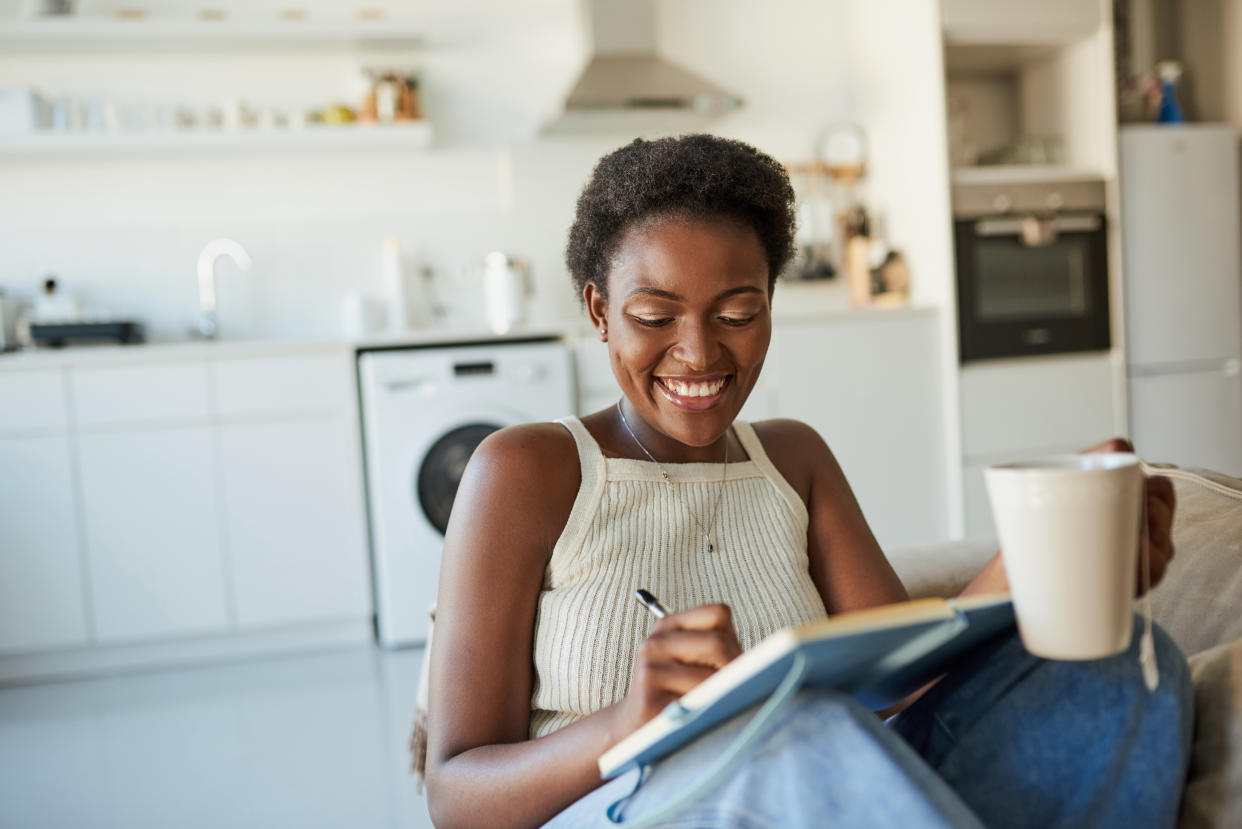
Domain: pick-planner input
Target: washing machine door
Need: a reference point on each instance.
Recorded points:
(439, 472)
(413, 486)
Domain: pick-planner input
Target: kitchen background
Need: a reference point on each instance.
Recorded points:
(119, 225)
(160, 504)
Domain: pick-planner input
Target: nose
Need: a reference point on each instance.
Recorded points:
(697, 345)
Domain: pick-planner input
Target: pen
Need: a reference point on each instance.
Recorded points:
(650, 602)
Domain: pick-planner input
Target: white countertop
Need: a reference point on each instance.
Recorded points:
(240, 349)
(795, 303)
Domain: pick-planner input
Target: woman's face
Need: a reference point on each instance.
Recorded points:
(688, 321)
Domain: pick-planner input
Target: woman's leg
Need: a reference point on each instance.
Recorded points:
(1042, 743)
(826, 762)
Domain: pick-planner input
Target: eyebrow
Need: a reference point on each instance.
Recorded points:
(658, 292)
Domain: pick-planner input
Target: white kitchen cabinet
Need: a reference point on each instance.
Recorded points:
(41, 584)
(1038, 405)
(1190, 418)
(166, 502)
(125, 395)
(869, 384)
(32, 401)
(293, 516)
(149, 502)
(1024, 408)
(295, 385)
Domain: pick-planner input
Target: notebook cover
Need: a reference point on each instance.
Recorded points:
(878, 656)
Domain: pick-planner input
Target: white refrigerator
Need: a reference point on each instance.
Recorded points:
(1182, 242)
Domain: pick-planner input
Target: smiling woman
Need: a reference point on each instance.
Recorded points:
(542, 660)
(688, 327)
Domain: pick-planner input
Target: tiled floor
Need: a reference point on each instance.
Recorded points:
(299, 741)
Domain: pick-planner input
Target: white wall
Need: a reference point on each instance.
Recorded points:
(124, 231)
(1231, 85)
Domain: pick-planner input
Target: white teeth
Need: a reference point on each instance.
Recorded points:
(694, 389)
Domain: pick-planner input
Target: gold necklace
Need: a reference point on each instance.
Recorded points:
(711, 521)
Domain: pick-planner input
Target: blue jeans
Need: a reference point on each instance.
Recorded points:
(1004, 740)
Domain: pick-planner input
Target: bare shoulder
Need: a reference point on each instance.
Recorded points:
(795, 449)
(782, 431)
(529, 442)
(525, 477)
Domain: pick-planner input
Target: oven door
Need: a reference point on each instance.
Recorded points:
(1028, 285)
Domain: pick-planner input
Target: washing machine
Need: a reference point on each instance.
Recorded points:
(424, 410)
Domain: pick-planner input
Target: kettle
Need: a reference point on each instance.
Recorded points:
(506, 289)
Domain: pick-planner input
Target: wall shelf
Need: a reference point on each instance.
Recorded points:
(107, 34)
(408, 136)
(1022, 174)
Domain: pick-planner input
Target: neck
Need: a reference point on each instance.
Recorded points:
(662, 448)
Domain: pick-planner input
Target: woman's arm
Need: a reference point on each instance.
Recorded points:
(846, 562)
(482, 768)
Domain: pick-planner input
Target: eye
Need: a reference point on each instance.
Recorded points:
(652, 322)
(737, 321)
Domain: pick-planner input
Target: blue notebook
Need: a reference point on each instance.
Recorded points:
(879, 656)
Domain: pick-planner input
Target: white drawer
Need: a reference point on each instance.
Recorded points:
(149, 393)
(318, 384)
(1037, 405)
(32, 401)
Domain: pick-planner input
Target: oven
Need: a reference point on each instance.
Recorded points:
(1032, 268)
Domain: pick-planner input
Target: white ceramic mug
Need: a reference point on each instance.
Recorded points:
(1069, 534)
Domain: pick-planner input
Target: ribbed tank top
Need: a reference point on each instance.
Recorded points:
(629, 529)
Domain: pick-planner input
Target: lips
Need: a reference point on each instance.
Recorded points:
(694, 393)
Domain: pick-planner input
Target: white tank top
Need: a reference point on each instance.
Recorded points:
(630, 529)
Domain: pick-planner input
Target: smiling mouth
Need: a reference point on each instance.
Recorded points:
(697, 393)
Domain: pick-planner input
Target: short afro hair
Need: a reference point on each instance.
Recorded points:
(692, 176)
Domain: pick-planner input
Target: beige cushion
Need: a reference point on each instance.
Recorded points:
(940, 569)
(1216, 760)
(1199, 600)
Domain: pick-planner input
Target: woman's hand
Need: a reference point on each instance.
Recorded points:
(682, 650)
(1160, 504)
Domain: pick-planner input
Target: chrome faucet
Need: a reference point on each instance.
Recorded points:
(208, 324)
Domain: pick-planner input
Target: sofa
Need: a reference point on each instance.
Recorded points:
(1199, 603)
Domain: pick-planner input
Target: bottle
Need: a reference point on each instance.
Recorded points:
(858, 259)
(1169, 72)
(394, 287)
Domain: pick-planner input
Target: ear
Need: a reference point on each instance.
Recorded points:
(597, 309)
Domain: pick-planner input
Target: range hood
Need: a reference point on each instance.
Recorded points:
(628, 84)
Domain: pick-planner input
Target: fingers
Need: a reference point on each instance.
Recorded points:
(694, 647)
(670, 680)
(1161, 488)
(703, 617)
(681, 651)
(700, 636)
(1161, 503)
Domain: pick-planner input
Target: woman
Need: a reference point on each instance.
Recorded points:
(543, 660)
